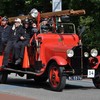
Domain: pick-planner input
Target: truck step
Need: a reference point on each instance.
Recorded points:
(24, 72)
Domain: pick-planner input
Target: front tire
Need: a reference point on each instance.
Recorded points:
(96, 80)
(56, 80)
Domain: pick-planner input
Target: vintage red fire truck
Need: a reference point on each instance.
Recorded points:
(58, 54)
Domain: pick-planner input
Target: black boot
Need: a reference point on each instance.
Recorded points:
(18, 61)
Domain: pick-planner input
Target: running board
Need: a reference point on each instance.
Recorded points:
(20, 71)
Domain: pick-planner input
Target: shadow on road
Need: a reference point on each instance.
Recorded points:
(33, 84)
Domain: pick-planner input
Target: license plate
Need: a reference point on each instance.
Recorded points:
(91, 73)
(75, 78)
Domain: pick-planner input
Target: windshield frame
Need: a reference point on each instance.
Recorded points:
(74, 29)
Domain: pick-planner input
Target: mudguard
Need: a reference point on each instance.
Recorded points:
(60, 60)
(98, 62)
(98, 57)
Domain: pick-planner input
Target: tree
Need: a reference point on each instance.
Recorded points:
(91, 20)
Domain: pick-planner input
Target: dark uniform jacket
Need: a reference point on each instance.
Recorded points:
(27, 36)
(4, 36)
(5, 33)
(16, 34)
(33, 31)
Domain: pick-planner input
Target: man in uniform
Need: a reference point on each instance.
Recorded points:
(44, 27)
(34, 28)
(5, 31)
(20, 45)
(16, 35)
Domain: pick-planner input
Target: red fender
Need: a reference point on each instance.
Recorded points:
(59, 60)
(98, 57)
(98, 62)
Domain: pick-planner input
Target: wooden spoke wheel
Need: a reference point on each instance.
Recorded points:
(56, 80)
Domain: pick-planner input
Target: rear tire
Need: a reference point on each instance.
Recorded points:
(56, 80)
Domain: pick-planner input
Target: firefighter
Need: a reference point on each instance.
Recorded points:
(16, 35)
(20, 45)
(34, 27)
(5, 31)
(35, 32)
(61, 29)
(44, 27)
(27, 26)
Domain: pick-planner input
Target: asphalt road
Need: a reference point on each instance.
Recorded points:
(74, 90)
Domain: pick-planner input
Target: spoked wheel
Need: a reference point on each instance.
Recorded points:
(96, 81)
(3, 77)
(56, 80)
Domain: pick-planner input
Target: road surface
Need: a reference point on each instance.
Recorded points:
(28, 89)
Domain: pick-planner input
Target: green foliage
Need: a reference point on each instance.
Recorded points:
(91, 36)
(16, 7)
(86, 21)
(91, 20)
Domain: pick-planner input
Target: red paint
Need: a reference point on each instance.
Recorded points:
(53, 48)
(54, 76)
(97, 65)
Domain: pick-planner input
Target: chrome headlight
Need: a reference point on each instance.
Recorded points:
(86, 54)
(70, 53)
(94, 52)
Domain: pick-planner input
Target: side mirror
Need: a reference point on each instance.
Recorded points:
(81, 29)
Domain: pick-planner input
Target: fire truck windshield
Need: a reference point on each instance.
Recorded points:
(66, 28)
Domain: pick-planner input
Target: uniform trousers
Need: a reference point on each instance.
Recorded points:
(19, 49)
(8, 49)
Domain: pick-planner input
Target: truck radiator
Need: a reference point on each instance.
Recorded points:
(79, 62)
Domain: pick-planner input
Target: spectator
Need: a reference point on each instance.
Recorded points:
(20, 45)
